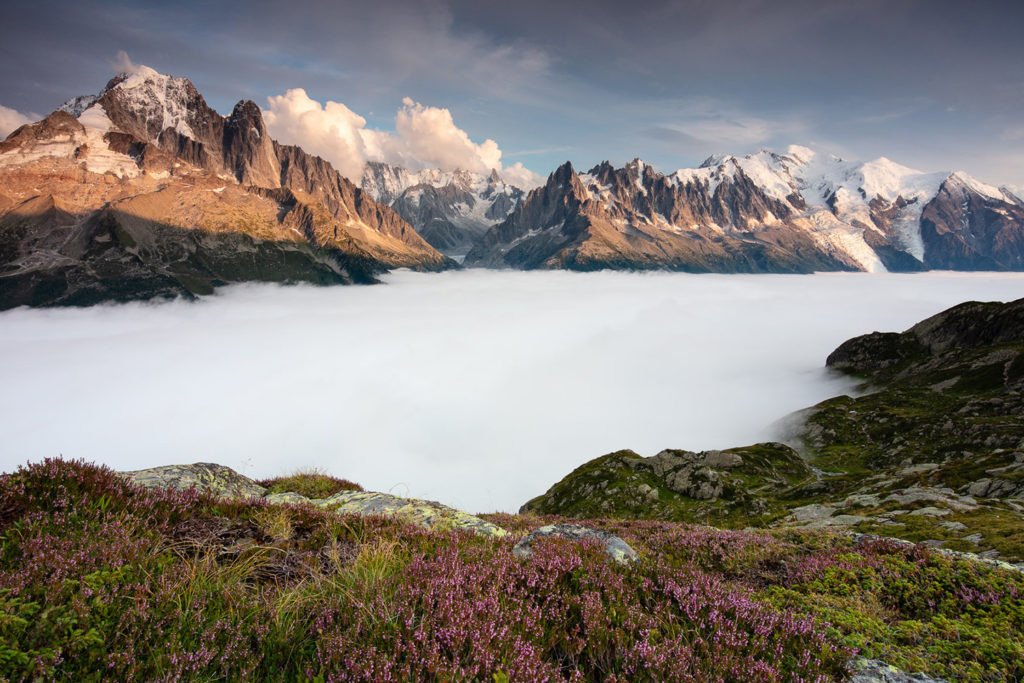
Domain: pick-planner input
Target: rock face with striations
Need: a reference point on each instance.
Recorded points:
(145, 191)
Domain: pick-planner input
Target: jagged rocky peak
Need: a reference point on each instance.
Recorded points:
(145, 103)
(248, 151)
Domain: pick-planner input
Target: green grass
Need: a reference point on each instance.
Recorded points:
(309, 483)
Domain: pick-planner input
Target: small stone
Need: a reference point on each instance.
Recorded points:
(953, 526)
(875, 671)
(973, 538)
(866, 500)
(838, 520)
(930, 512)
(616, 549)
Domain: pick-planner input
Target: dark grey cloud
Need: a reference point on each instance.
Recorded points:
(930, 83)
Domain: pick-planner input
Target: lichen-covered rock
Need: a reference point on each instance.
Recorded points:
(874, 671)
(617, 549)
(425, 513)
(289, 497)
(205, 477)
(227, 483)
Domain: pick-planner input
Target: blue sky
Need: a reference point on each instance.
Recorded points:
(934, 85)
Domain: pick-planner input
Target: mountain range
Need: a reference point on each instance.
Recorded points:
(767, 212)
(144, 191)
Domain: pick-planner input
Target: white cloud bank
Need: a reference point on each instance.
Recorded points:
(479, 389)
(11, 120)
(424, 137)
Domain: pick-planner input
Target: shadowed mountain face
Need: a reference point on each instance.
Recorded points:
(450, 209)
(767, 212)
(145, 191)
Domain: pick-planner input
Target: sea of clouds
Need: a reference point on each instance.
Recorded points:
(479, 389)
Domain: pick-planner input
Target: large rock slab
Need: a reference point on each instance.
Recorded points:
(205, 477)
(617, 549)
(425, 513)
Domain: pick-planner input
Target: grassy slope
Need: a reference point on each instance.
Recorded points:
(102, 580)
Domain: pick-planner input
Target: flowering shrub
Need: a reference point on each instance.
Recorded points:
(103, 580)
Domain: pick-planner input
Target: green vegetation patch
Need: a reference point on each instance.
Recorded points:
(311, 484)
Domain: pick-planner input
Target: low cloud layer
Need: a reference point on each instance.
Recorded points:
(424, 137)
(11, 120)
(478, 389)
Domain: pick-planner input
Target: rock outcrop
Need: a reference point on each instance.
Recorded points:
(224, 482)
(735, 484)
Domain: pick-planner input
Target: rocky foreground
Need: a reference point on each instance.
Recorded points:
(931, 451)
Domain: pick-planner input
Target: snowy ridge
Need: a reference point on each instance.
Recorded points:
(159, 96)
(88, 148)
(76, 105)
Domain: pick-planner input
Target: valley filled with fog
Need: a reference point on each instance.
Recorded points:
(479, 389)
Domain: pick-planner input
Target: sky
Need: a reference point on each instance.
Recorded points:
(527, 85)
(528, 376)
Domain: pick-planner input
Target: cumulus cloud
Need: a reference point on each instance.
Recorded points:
(11, 120)
(482, 412)
(424, 137)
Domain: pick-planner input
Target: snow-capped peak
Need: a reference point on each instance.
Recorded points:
(800, 154)
(144, 94)
(978, 186)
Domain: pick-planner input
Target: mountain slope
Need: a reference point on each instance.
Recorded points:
(213, 198)
(793, 212)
